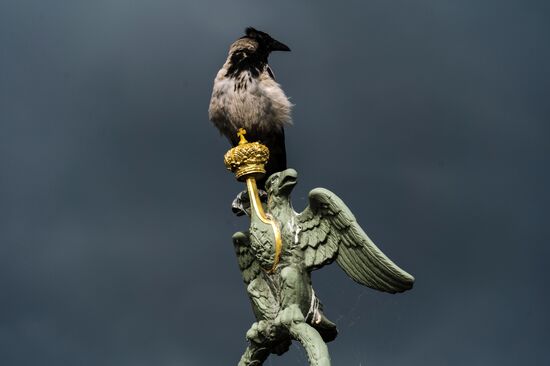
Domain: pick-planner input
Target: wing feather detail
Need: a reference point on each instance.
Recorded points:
(249, 266)
(329, 231)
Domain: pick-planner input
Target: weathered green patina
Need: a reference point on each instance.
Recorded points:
(283, 299)
(280, 250)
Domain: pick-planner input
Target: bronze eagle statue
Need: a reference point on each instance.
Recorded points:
(277, 269)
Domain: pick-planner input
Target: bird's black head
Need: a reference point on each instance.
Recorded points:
(280, 185)
(265, 42)
(250, 52)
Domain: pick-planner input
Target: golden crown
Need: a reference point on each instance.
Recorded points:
(247, 159)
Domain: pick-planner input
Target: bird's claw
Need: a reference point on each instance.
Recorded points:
(241, 204)
(261, 332)
(289, 315)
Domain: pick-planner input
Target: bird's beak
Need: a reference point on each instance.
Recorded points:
(287, 180)
(278, 46)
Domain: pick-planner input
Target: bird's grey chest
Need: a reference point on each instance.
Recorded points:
(236, 101)
(231, 89)
(248, 101)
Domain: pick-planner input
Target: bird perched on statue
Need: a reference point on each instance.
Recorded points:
(246, 95)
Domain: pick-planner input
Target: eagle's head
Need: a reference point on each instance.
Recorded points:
(280, 185)
(250, 52)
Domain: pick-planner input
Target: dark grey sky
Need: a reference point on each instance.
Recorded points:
(429, 118)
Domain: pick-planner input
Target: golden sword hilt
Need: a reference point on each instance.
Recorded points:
(247, 160)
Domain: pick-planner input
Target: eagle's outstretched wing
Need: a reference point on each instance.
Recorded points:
(249, 266)
(329, 231)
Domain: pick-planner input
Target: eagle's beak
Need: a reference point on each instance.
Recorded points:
(278, 46)
(288, 179)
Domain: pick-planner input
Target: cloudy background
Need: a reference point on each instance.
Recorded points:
(429, 118)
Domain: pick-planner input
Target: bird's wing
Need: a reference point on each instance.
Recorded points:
(249, 266)
(329, 231)
(270, 72)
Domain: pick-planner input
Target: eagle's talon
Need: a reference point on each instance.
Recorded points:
(289, 315)
(241, 204)
(260, 332)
